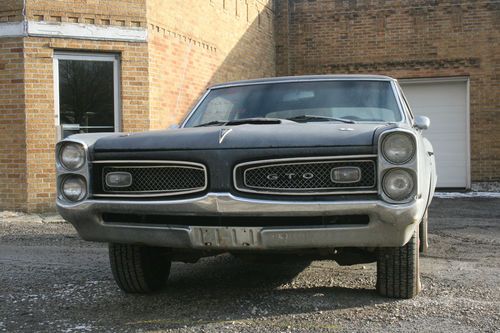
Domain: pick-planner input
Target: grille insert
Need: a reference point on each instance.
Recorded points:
(303, 176)
(238, 221)
(155, 179)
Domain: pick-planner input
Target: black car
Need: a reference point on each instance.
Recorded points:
(330, 167)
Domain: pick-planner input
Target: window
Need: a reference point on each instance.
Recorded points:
(86, 90)
(358, 100)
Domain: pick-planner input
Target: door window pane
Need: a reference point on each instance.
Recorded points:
(86, 96)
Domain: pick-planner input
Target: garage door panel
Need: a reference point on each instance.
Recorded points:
(445, 103)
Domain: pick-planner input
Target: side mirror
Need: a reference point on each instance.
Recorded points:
(174, 126)
(422, 122)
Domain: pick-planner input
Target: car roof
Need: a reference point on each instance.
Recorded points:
(303, 78)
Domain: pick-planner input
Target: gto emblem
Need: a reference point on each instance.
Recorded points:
(223, 133)
(290, 175)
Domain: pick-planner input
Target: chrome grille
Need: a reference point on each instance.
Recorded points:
(150, 179)
(289, 176)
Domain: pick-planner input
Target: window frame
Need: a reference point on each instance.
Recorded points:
(82, 56)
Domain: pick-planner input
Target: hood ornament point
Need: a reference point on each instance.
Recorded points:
(223, 133)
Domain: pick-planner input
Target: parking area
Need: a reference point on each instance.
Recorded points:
(51, 281)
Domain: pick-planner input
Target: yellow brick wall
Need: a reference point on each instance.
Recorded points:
(195, 43)
(130, 13)
(12, 125)
(11, 10)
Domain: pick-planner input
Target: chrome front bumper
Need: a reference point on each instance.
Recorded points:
(390, 225)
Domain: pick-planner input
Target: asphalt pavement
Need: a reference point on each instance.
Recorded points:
(52, 281)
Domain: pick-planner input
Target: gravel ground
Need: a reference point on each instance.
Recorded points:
(51, 281)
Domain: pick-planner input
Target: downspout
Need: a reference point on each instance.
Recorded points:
(25, 19)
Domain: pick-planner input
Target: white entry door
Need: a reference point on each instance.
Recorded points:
(445, 102)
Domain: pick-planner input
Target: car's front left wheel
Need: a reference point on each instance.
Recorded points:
(139, 269)
(398, 269)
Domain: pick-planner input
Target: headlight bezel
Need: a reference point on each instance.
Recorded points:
(73, 177)
(60, 154)
(392, 135)
(63, 172)
(384, 165)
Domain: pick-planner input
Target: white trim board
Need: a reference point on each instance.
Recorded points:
(12, 29)
(73, 30)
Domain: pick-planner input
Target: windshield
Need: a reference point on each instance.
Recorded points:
(354, 100)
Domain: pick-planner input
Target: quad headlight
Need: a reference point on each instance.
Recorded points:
(398, 148)
(73, 188)
(398, 184)
(72, 156)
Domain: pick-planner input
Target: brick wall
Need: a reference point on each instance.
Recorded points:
(11, 10)
(130, 13)
(12, 125)
(403, 39)
(39, 105)
(195, 43)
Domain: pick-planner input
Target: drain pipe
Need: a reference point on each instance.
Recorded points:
(25, 19)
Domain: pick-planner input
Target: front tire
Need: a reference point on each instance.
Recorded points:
(138, 269)
(398, 270)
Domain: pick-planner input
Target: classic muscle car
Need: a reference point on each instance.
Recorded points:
(327, 167)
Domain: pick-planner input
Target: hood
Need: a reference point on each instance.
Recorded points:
(244, 136)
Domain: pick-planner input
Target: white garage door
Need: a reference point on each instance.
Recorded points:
(445, 103)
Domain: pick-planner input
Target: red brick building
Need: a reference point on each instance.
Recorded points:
(143, 63)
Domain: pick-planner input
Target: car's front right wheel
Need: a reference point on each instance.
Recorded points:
(139, 269)
(398, 270)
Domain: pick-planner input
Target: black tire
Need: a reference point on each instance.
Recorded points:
(423, 245)
(398, 270)
(139, 269)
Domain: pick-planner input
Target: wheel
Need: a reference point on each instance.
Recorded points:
(139, 269)
(423, 245)
(398, 273)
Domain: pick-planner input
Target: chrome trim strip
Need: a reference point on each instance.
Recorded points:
(190, 114)
(297, 79)
(323, 159)
(306, 189)
(227, 203)
(152, 194)
(148, 161)
(398, 97)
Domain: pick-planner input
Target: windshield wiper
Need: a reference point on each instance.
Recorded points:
(307, 117)
(253, 121)
(212, 123)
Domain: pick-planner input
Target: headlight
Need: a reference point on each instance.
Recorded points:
(398, 184)
(74, 188)
(398, 148)
(72, 156)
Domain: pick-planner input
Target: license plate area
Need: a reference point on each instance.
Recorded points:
(226, 237)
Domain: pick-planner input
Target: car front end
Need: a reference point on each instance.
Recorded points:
(266, 185)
